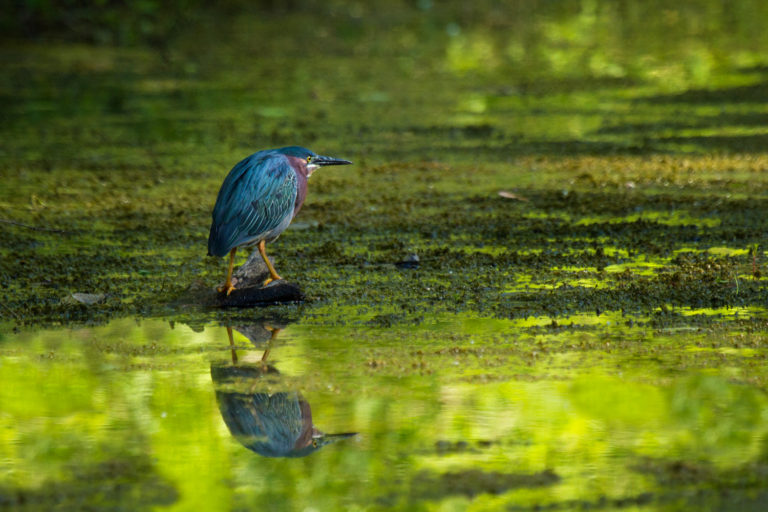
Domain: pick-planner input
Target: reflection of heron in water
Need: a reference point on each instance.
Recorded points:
(270, 424)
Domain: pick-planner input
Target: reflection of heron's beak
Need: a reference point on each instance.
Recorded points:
(332, 438)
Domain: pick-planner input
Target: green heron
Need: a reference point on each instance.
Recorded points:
(270, 424)
(258, 200)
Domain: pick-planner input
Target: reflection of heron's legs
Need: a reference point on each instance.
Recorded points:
(265, 355)
(232, 345)
(274, 332)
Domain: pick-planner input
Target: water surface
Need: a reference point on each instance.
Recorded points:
(458, 412)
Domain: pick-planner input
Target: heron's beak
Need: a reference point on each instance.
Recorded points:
(329, 160)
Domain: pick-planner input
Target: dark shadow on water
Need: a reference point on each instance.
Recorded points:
(755, 93)
(721, 120)
(271, 424)
(722, 143)
(472, 482)
(121, 483)
(707, 487)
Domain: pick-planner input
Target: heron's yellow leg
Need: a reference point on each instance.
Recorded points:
(272, 273)
(228, 286)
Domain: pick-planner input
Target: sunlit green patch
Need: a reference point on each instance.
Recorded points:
(583, 278)
(640, 266)
(605, 318)
(743, 312)
(727, 251)
(675, 218)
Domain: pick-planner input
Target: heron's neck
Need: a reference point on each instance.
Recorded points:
(300, 168)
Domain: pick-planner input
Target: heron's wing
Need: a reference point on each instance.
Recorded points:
(257, 197)
(236, 411)
(267, 424)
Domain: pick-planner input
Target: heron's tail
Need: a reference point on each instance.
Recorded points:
(218, 240)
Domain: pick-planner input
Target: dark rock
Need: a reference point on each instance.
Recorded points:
(262, 331)
(229, 374)
(253, 272)
(249, 289)
(277, 292)
(409, 262)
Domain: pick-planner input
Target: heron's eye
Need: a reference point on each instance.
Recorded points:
(309, 159)
(314, 441)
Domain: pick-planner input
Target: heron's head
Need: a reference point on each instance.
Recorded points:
(307, 161)
(318, 440)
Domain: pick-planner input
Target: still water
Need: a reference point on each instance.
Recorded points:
(458, 413)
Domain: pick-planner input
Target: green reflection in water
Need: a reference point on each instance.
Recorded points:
(462, 411)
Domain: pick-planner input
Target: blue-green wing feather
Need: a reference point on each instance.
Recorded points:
(256, 201)
(268, 424)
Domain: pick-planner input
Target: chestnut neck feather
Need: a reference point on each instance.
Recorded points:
(299, 166)
(307, 429)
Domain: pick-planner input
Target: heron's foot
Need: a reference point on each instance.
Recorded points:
(228, 287)
(272, 278)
